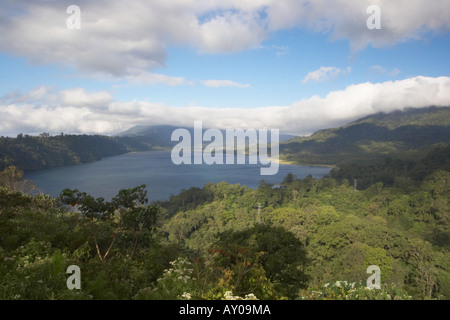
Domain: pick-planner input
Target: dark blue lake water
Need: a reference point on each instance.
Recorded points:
(156, 170)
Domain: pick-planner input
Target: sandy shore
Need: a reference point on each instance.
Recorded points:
(282, 161)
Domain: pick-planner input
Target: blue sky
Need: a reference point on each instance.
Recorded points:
(298, 67)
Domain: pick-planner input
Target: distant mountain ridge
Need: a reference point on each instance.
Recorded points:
(162, 133)
(400, 134)
(432, 116)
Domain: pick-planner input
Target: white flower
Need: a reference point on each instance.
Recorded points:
(186, 295)
(251, 296)
(229, 296)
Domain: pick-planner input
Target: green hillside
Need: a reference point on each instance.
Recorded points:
(414, 117)
(45, 151)
(151, 136)
(160, 135)
(401, 134)
(310, 239)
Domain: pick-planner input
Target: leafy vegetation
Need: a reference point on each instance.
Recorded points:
(402, 135)
(46, 151)
(310, 239)
(304, 239)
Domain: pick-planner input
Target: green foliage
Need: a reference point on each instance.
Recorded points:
(12, 179)
(177, 280)
(230, 242)
(278, 252)
(342, 290)
(406, 135)
(404, 174)
(45, 151)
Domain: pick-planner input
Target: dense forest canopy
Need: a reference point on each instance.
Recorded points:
(402, 134)
(309, 239)
(46, 151)
(303, 239)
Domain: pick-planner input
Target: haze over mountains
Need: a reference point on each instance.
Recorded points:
(409, 133)
(160, 135)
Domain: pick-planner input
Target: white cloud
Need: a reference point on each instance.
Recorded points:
(224, 83)
(117, 37)
(140, 77)
(346, 19)
(394, 72)
(324, 74)
(378, 70)
(99, 113)
(281, 50)
(80, 98)
(38, 94)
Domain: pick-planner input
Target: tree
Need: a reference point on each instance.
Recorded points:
(423, 259)
(273, 250)
(12, 179)
(126, 215)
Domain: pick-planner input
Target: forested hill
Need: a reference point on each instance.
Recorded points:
(401, 134)
(308, 239)
(45, 151)
(161, 134)
(311, 239)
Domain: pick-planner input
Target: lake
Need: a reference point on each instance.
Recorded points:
(156, 170)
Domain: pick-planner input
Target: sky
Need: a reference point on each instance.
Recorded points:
(294, 65)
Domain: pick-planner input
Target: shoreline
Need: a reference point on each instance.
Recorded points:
(168, 149)
(289, 162)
